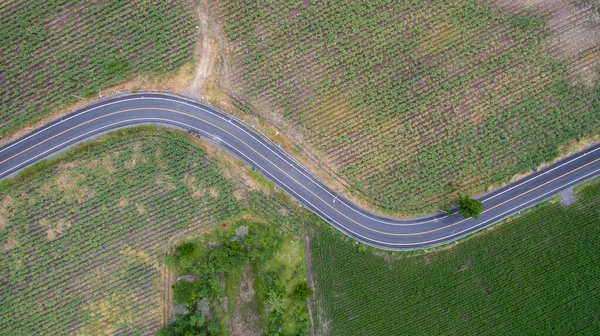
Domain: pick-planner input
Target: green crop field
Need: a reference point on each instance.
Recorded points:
(53, 51)
(83, 236)
(409, 103)
(537, 274)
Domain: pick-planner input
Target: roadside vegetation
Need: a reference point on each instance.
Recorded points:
(409, 104)
(533, 274)
(53, 52)
(84, 238)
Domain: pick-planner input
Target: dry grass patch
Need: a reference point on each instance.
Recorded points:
(54, 229)
(6, 208)
(108, 314)
(140, 208)
(11, 241)
(245, 319)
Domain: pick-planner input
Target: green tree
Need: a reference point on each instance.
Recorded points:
(469, 207)
(302, 292)
(186, 293)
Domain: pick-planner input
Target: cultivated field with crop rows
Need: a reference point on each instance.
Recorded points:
(536, 274)
(84, 236)
(53, 51)
(407, 104)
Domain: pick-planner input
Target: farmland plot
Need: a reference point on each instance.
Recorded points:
(51, 52)
(408, 104)
(536, 274)
(84, 235)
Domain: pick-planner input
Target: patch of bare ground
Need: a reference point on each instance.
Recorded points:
(67, 183)
(233, 169)
(203, 52)
(245, 319)
(211, 80)
(11, 242)
(109, 313)
(54, 229)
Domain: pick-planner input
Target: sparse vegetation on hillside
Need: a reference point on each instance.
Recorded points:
(53, 51)
(413, 103)
(536, 274)
(83, 236)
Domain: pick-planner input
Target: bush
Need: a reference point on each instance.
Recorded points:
(186, 293)
(302, 292)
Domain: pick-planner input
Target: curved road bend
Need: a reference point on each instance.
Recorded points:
(271, 161)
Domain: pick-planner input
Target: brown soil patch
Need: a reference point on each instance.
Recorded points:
(210, 80)
(107, 163)
(573, 31)
(197, 191)
(584, 68)
(67, 182)
(213, 192)
(233, 169)
(204, 53)
(135, 158)
(140, 208)
(108, 313)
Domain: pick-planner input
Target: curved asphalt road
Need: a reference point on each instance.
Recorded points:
(271, 161)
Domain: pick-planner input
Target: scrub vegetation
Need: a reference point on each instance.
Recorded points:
(410, 104)
(84, 236)
(259, 296)
(535, 274)
(53, 51)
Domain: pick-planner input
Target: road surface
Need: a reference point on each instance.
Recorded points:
(271, 161)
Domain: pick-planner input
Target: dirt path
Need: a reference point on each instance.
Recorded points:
(310, 280)
(195, 85)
